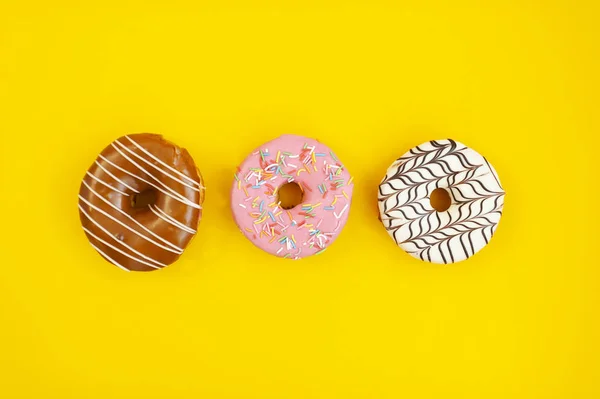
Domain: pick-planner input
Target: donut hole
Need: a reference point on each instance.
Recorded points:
(290, 195)
(440, 200)
(143, 199)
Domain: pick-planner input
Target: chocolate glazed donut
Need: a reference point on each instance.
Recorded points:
(140, 202)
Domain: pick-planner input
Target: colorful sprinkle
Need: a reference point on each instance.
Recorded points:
(268, 174)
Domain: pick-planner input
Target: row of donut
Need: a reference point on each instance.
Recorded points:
(140, 202)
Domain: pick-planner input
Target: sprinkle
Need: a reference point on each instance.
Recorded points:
(237, 178)
(321, 251)
(271, 216)
(278, 213)
(345, 195)
(260, 207)
(287, 255)
(255, 187)
(261, 219)
(300, 171)
(329, 208)
(337, 226)
(320, 154)
(239, 184)
(242, 205)
(272, 238)
(290, 215)
(334, 200)
(245, 191)
(341, 213)
(350, 181)
(333, 156)
(279, 250)
(249, 230)
(314, 160)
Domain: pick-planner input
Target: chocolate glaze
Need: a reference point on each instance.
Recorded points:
(152, 236)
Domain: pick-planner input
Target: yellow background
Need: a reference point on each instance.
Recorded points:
(515, 80)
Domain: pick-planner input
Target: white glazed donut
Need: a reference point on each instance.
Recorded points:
(472, 218)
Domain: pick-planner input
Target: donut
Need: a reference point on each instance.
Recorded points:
(307, 224)
(140, 202)
(476, 199)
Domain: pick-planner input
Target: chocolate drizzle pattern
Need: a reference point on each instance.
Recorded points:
(155, 235)
(441, 237)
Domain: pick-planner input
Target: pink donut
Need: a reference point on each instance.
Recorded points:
(309, 227)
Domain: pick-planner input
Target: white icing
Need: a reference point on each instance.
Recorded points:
(114, 262)
(120, 251)
(449, 236)
(155, 167)
(176, 196)
(169, 219)
(106, 184)
(115, 177)
(119, 241)
(94, 207)
(162, 163)
(135, 221)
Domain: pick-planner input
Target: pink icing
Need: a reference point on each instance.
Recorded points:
(308, 228)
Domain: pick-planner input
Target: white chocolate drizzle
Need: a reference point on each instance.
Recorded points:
(119, 216)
